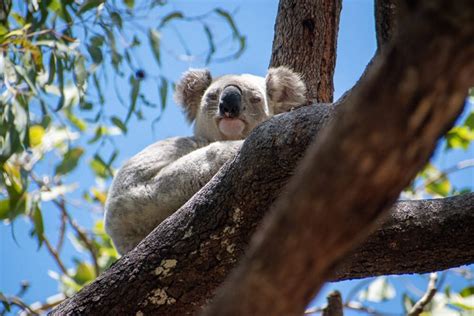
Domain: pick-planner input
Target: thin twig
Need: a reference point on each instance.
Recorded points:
(417, 309)
(62, 233)
(52, 301)
(468, 163)
(13, 300)
(81, 234)
(55, 255)
(61, 205)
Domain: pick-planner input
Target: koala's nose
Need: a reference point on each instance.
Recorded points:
(230, 102)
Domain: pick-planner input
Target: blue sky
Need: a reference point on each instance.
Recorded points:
(255, 19)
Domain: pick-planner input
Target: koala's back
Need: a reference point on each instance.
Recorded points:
(146, 164)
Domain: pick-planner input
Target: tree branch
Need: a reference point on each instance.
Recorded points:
(415, 233)
(305, 40)
(386, 15)
(427, 297)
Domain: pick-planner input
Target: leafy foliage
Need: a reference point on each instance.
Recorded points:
(57, 60)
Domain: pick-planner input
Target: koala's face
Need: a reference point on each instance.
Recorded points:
(229, 107)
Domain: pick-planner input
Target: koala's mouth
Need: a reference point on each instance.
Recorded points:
(232, 128)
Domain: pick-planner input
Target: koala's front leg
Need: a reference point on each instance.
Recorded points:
(179, 181)
(135, 209)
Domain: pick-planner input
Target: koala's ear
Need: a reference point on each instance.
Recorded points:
(285, 89)
(190, 89)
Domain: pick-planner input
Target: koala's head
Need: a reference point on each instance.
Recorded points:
(229, 107)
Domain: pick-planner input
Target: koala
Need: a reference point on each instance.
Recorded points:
(156, 182)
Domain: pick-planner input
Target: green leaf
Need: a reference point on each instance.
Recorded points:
(52, 69)
(117, 19)
(171, 16)
(235, 32)
(21, 120)
(19, 19)
(57, 7)
(116, 57)
(229, 19)
(467, 291)
(441, 186)
(35, 134)
(38, 225)
(60, 72)
(117, 122)
(80, 72)
(9, 70)
(464, 303)
(210, 40)
(97, 40)
(99, 131)
(3, 30)
(5, 302)
(133, 97)
(129, 3)
(470, 121)
(459, 137)
(4, 209)
(86, 106)
(84, 273)
(81, 125)
(89, 5)
(163, 92)
(70, 161)
(96, 53)
(100, 168)
(154, 37)
(98, 87)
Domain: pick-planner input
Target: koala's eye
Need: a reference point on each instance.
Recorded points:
(212, 96)
(255, 99)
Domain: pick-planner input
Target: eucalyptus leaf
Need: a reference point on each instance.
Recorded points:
(70, 161)
(117, 122)
(171, 16)
(154, 37)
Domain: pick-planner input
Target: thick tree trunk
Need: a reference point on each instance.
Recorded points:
(305, 40)
(419, 236)
(356, 169)
(386, 20)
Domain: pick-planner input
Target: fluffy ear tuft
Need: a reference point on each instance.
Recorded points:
(285, 89)
(190, 89)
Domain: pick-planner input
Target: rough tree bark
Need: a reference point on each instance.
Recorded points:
(386, 20)
(306, 34)
(176, 269)
(353, 173)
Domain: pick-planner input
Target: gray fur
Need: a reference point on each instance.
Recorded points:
(160, 179)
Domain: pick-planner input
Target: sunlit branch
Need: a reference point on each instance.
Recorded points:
(417, 309)
(61, 205)
(62, 233)
(55, 255)
(16, 301)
